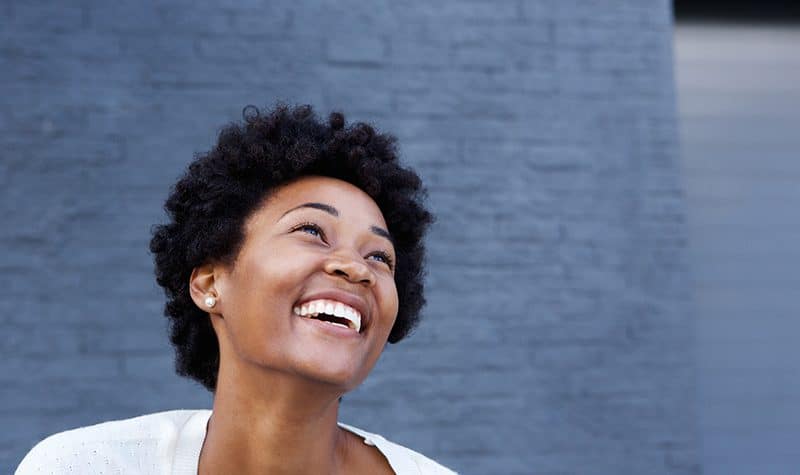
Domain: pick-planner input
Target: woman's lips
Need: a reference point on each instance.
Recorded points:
(354, 301)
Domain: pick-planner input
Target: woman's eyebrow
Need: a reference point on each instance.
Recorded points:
(382, 233)
(327, 208)
(335, 212)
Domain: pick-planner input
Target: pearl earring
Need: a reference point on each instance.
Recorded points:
(210, 301)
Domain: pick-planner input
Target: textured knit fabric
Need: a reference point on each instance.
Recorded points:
(167, 443)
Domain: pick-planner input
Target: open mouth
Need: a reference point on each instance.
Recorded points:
(332, 312)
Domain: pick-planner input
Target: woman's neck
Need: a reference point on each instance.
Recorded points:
(281, 426)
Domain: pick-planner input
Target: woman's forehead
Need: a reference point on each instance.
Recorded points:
(337, 197)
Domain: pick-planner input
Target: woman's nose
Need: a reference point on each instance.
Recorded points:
(351, 267)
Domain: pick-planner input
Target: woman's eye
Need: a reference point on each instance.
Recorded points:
(384, 256)
(310, 228)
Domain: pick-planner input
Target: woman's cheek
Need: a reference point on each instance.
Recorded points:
(390, 306)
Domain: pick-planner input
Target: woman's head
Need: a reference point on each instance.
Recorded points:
(239, 230)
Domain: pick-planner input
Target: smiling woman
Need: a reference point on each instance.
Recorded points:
(293, 254)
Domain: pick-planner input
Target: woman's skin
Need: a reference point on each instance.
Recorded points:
(281, 375)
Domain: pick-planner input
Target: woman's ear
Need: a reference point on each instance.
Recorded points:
(202, 288)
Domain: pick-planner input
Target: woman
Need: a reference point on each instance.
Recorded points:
(293, 253)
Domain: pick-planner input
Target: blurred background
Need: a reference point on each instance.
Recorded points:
(738, 81)
(610, 277)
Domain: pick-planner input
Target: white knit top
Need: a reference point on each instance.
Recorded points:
(167, 443)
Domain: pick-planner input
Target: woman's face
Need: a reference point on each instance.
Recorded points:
(316, 239)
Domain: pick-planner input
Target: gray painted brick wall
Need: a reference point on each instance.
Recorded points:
(557, 338)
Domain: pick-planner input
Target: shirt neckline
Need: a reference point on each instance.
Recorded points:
(191, 436)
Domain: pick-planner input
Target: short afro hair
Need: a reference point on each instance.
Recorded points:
(209, 204)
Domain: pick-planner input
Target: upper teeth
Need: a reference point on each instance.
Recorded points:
(331, 307)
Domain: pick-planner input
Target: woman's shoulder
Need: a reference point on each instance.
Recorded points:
(403, 460)
(139, 443)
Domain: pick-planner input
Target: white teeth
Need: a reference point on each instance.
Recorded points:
(338, 310)
(331, 307)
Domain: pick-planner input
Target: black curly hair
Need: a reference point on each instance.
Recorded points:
(208, 206)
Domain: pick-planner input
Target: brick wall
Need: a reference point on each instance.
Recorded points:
(557, 338)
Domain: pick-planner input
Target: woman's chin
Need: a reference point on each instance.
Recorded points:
(335, 368)
(336, 356)
(339, 374)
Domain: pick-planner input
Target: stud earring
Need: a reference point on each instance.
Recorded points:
(210, 301)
